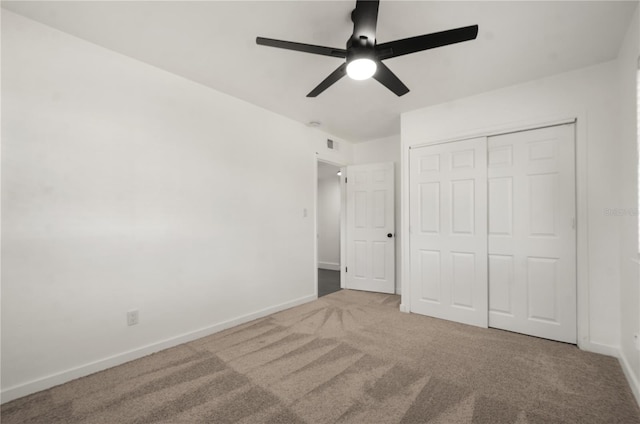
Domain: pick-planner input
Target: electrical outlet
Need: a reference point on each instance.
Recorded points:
(133, 317)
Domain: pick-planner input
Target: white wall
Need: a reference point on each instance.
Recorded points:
(329, 199)
(126, 187)
(627, 203)
(589, 94)
(385, 150)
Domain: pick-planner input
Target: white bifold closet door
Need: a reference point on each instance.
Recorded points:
(532, 236)
(492, 232)
(448, 230)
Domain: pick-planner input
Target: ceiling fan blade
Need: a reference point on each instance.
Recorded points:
(387, 78)
(329, 81)
(425, 42)
(365, 20)
(300, 47)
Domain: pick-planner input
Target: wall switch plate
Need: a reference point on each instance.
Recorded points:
(133, 317)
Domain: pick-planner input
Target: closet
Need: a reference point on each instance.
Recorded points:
(493, 231)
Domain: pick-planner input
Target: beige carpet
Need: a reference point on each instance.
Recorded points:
(349, 357)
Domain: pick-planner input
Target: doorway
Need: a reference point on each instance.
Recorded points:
(329, 210)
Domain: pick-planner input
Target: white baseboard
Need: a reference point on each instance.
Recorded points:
(333, 266)
(631, 378)
(404, 308)
(616, 352)
(602, 349)
(52, 380)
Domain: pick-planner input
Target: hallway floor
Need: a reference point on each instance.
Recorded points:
(328, 282)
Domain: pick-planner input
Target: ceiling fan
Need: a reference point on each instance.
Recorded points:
(364, 56)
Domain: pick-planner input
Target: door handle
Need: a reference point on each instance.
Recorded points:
(389, 235)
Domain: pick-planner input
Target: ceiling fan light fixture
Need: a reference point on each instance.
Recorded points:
(361, 69)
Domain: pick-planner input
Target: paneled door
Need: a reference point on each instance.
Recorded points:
(448, 231)
(532, 235)
(370, 228)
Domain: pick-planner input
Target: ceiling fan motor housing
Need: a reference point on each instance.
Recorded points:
(359, 52)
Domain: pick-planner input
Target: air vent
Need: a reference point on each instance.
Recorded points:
(329, 144)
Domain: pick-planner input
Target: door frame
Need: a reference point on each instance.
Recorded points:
(343, 221)
(579, 118)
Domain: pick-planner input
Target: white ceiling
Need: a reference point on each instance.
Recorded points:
(213, 43)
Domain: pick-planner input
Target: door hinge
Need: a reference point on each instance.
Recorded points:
(345, 179)
(346, 269)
